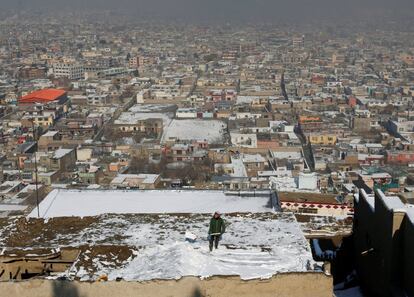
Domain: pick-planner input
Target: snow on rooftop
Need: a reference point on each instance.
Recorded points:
(151, 108)
(9, 186)
(286, 251)
(370, 199)
(83, 203)
(131, 118)
(294, 155)
(284, 183)
(21, 196)
(144, 178)
(239, 170)
(12, 207)
(246, 99)
(211, 130)
(374, 145)
(160, 251)
(256, 158)
(349, 187)
(59, 153)
(50, 133)
(381, 174)
(410, 212)
(392, 202)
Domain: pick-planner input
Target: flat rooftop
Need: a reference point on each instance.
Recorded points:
(212, 131)
(143, 247)
(83, 203)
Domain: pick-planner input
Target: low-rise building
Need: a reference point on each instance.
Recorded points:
(137, 181)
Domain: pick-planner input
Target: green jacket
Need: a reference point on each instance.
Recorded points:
(217, 226)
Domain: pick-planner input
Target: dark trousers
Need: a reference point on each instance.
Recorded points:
(214, 239)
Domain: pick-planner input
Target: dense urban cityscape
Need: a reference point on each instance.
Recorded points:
(120, 138)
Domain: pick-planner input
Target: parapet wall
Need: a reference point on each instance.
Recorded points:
(384, 246)
(309, 284)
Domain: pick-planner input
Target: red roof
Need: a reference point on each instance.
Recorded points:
(43, 96)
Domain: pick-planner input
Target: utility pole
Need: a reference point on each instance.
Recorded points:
(36, 179)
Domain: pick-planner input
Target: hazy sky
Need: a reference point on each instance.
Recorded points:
(231, 9)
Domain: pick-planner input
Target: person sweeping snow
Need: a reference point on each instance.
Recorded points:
(216, 229)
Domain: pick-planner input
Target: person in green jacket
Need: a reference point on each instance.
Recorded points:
(216, 229)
